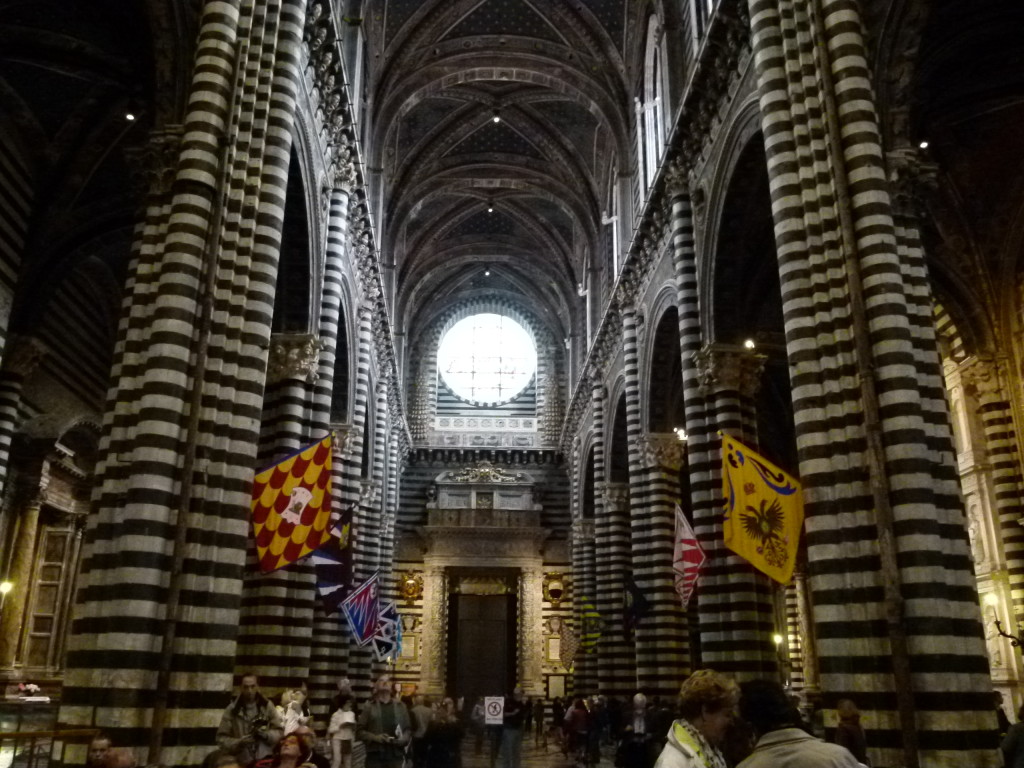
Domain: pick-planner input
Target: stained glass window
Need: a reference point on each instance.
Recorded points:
(487, 358)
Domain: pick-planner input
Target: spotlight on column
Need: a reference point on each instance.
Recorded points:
(749, 344)
(777, 639)
(5, 587)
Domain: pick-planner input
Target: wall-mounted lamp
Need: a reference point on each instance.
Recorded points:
(680, 433)
(749, 344)
(992, 600)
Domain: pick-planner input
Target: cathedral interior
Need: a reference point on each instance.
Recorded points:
(525, 260)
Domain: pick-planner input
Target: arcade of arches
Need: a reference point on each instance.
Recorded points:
(230, 227)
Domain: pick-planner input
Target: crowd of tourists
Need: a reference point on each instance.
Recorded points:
(714, 723)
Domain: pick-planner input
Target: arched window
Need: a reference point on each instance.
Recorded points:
(651, 112)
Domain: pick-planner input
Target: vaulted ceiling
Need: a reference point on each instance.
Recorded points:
(497, 126)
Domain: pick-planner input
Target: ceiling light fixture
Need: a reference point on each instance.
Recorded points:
(923, 145)
(749, 344)
(487, 273)
(497, 116)
(129, 116)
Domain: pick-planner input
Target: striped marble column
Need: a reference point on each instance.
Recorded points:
(276, 622)
(585, 680)
(22, 356)
(329, 651)
(618, 671)
(736, 605)
(354, 488)
(662, 641)
(169, 528)
(882, 515)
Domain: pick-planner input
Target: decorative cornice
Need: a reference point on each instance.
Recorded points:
(293, 356)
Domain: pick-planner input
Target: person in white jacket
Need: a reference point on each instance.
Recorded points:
(782, 742)
(707, 702)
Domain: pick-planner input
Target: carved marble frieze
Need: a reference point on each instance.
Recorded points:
(484, 472)
(470, 423)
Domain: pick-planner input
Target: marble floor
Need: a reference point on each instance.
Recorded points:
(534, 756)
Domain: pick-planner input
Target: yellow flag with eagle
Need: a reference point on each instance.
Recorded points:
(291, 506)
(764, 511)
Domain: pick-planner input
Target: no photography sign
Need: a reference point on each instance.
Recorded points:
(494, 710)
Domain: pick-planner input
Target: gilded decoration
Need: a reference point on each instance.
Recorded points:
(484, 472)
(554, 588)
(410, 586)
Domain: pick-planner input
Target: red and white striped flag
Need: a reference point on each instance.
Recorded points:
(687, 558)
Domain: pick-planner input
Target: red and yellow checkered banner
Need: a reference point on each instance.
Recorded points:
(291, 506)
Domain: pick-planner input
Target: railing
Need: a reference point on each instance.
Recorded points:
(40, 749)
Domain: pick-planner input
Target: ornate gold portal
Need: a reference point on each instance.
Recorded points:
(481, 518)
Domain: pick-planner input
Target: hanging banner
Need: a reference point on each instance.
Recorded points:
(362, 609)
(291, 506)
(687, 558)
(764, 511)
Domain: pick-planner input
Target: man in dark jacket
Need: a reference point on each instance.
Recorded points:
(384, 726)
(251, 725)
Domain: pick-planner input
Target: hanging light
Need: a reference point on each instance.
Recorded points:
(496, 115)
(749, 344)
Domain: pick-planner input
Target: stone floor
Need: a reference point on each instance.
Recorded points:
(534, 756)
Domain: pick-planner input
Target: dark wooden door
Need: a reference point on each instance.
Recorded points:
(481, 645)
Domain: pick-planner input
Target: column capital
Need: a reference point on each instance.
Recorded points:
(342, 439)
(293, 356)
(343, 172)
(725, 367)
(982, 381)
(23, 355)
(369, 490)
(912, 180)
(616, 496)
(657, 449)
(582, 530)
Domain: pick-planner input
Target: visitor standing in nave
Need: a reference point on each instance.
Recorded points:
(1013, 743)
(443, 740)
(385, 727)
(850, 732)
(421, 713)
(251, 724)
(342, 731)
(512, 729)
(707, 703)
(781, 741)
(636, 745)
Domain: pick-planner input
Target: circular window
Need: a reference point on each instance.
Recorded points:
(487, 358)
